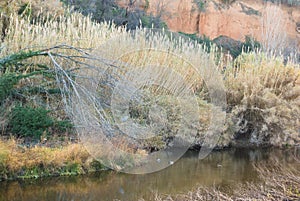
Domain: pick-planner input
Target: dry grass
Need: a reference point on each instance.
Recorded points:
(281, 182)
(262, 93)
(273, 36)
(19, 161)
(80, 32)
(32, 7)
(263, 96)
(73, 30)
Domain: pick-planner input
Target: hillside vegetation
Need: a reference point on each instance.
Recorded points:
(262, 91)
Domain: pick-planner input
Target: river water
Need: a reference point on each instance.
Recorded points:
(223, 169)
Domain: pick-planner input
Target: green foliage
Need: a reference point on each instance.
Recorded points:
(109, 10)
(96, 166)
(201, 5)
(40, 171)
(31, 173)
(205, 40)
(71, 169)
(146, 21)
(147, 4)
(10, 68)
(7, 82)
(28, 121)
(25, 10)
(228, 2)
(33, 122)
(63, 126)
(249, 11)
(149, 21)
(251, 45)
(15, 59)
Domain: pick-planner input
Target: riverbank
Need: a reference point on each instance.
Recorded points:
(20, 162)
(223, 175)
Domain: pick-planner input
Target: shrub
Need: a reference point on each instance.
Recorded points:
(263, 98)
(28, 121)
(63, 126)
(7, 82)
(251, 44)
(34, 122)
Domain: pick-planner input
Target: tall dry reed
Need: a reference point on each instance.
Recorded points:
(263, 97)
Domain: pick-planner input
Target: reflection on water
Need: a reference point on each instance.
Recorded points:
(222, 169)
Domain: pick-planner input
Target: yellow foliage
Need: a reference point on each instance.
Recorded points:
(15, 157)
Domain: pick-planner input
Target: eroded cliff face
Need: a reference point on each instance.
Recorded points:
(212, 18)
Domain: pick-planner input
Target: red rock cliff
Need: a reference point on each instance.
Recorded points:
(243, 17)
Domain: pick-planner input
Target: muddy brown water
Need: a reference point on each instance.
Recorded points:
(222, 169)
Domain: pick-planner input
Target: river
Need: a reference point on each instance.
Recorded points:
(222, 169)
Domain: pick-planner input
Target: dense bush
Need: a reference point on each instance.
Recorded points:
(26, 121)
(7, 82)
(31, 122)
(263, 99)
